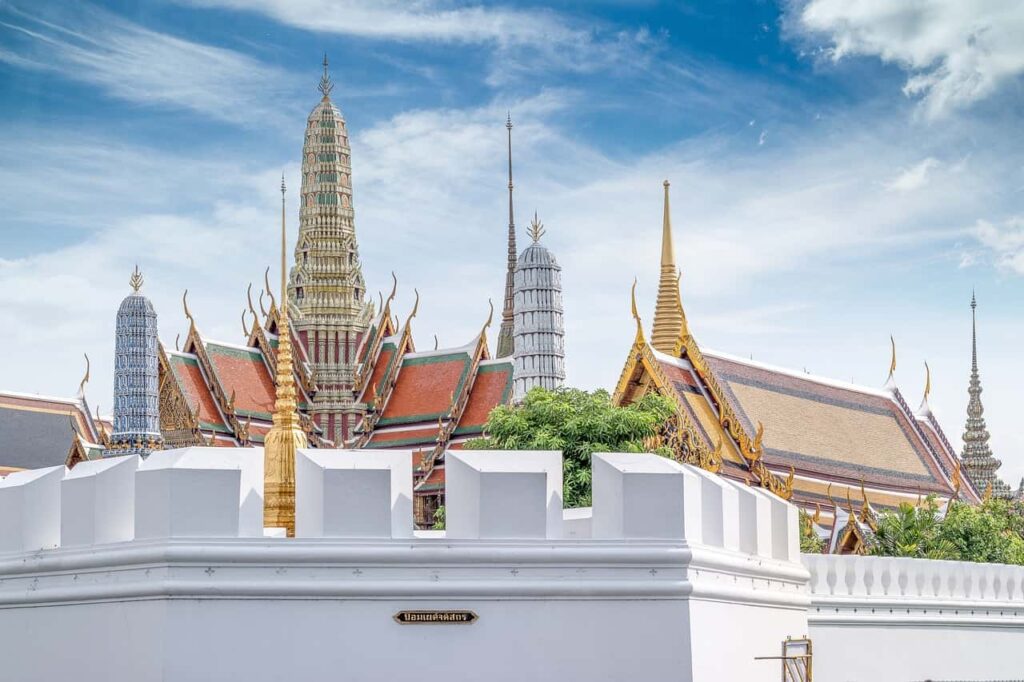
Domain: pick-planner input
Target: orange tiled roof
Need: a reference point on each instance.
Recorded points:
(491, 387)
(403, 438)
(245, 373)
(193, 385)
(829, 429)
(426, 387)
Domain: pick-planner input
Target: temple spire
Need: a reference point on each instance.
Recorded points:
(286, 436)
(505, 342)
(325, 80)
(977, 455)
(669, 321)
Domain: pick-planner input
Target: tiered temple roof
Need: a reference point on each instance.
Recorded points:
(810, 439)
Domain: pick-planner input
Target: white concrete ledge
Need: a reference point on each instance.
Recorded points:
(30, 509)
(98, 502)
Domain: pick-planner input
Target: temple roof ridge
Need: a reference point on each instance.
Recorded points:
(814, 378)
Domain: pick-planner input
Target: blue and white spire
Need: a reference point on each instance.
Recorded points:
(136, 382)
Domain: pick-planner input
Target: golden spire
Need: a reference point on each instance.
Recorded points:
(536, 229)
(286, 436)
(669, 321)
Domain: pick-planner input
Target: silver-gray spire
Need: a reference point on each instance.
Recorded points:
(136, 381)
(539, 331)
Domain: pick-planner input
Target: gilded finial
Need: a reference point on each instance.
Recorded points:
(136, 280)
(636, 313)
(85, 379)
(263, 310)
(828, 493)
(325, 81)
(177, 342)
(817, 513)
(849, 502)
(415, 308)
(863, 493)
(957, 480)
(270, 292)
(536, 229)
(490, 316)
(758, 436)
(248, 297)
(435, 342)
(245, 327)
(380, 300)
(188, 313)
(892, 362)
(394, 290)
(927, 381)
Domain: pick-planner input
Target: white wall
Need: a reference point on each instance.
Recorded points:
(919, 618)
(199, 601)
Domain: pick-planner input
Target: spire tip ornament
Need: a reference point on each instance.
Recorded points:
(136, 280)
(326, 85)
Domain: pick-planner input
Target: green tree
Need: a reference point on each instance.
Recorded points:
(992, 532)
(913, 532)
(810, 543)
(579, 423)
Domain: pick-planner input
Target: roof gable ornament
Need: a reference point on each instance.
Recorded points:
(636, 316)
(85, 379)
(892, 361)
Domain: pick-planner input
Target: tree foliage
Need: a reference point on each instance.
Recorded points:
(579, 423)
(992, 532)
(810, 543)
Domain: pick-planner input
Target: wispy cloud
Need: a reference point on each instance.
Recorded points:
(915, 177)
(955, 53)
(1004, 241)
(133, 63)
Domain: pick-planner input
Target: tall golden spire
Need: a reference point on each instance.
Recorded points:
(669, 321)
(286, 436)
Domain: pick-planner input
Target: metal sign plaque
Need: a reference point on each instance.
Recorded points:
(435, 617)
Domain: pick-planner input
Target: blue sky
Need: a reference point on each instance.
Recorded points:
(841, 171)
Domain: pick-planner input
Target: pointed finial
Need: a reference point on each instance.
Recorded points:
(136, 280)
(188, 313)
(490, 316)
(536, 229)
(177, 342)
(85, 379)
(394, 290)
(508, 120)
(435, 342)
(325, 81)
(927, 381)
(415, 308)
(270, 292)
(636, 313)
(892, 362)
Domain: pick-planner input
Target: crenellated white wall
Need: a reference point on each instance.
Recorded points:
(627, 590)
(919, 618)
(673, 574)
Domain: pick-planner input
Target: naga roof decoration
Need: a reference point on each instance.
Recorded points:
(787, 431)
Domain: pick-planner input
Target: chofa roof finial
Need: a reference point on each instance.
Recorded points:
(136, 280)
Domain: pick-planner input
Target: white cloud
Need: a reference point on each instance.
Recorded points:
(436, 20)
(914, 177)
(955, 52)
(1004, 241)
(133, 63)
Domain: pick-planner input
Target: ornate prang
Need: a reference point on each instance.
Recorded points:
(538, 329)
(330, 310)
(136, 377)
(506, 343)
(977, 456)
